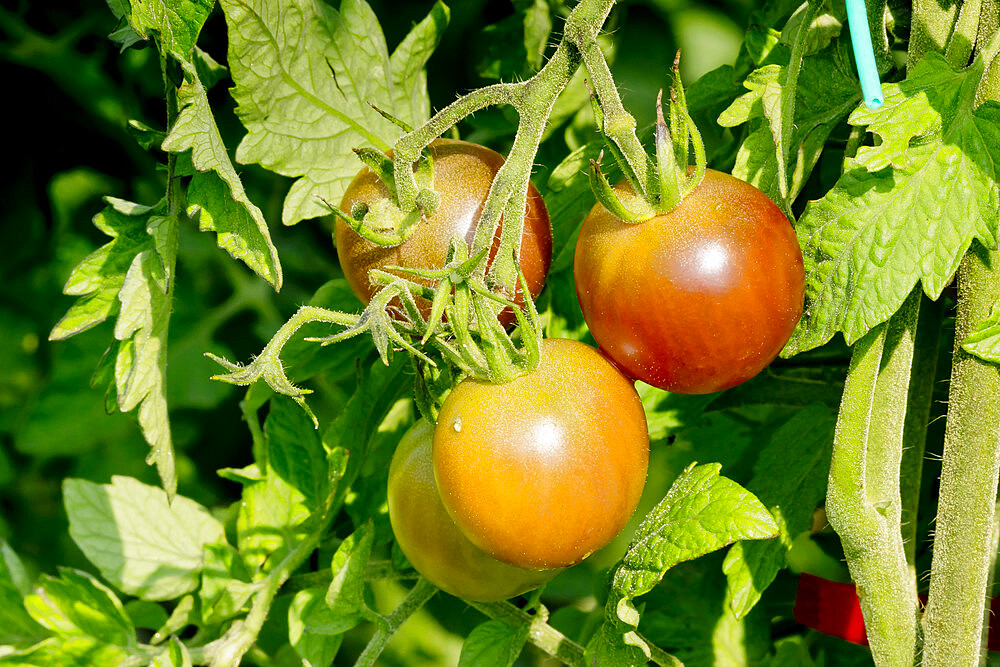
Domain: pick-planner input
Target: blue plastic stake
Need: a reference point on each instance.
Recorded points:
(864, 56)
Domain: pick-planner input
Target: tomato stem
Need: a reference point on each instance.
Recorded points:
(863, 497)
(964, 539)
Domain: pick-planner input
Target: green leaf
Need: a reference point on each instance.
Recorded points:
(305, 78)
(98, 278)
(141, 363)
(177, 22)
(269, 522)
(219, 201)
(827, 90)
(225, 583)
(309, 619)
(702, 512)
(800, 449)
(142, 544)
(16, 625)
(493, 643)
(77, 604)
(175, 655)
(72, 651)
(984, 341)
(145, 614)
(345, 596)
(295, 452)
(935, 189)
(686, 615)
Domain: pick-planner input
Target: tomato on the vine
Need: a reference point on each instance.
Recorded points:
(698, 299)
(463, 174)
(543, 470)
(431, 541)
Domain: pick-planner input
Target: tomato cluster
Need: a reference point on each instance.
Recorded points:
(521, 479)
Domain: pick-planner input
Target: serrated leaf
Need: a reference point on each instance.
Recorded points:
(305, 77)
(177, 22)
(701, 512)
(869, 241)
(345, 595)
(984, 341)
(140, 543)
(409, 79)
(141, 363)
(77, 604)
(826, 91)
(295, 451)
(493, 643)
(99, 276)
(309, 617)
(801, 450)
(222, 205)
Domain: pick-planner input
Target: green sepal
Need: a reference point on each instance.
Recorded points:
(381, 165)
(609, 199)
(667, 167)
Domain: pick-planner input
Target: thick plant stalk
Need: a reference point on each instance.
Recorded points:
(863, 497)
(964, 540)
(925, 359)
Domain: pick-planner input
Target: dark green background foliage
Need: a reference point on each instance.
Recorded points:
(86, 120)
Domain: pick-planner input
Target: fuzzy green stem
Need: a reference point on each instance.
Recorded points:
(415, 599)
(930, 28)
(925, 358)
(863, 498)
(956, 608)
(963, 37)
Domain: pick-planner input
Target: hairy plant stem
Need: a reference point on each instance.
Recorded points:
(533, 100)
(931, 26)
(421, 592)
(925, 359)
(540, 633)
(964, 540)
(863, 497)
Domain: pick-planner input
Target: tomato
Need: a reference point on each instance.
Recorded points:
(543, 470)
(429, 538)
(699, 299)
(463, 174)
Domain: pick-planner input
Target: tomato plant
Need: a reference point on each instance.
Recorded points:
(183, 207)
(431, 541)
(463, 174)
(542, 471)
(698, 299)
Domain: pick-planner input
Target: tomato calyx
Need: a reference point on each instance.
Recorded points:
(676, 177)
(387, 223)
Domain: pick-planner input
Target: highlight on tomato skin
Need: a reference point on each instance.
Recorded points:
(696, 300)
(431, 541)
(463, 174)
(542, 471)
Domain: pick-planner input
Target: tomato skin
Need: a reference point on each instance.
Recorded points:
(544, 470)
(463, 174)
(431, 541)
(696, 300)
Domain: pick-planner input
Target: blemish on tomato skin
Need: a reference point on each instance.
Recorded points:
(457, 424)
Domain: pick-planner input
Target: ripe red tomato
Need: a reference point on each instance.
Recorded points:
(463, 173)
(542, 471)
(699, 299)
(430, 539)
